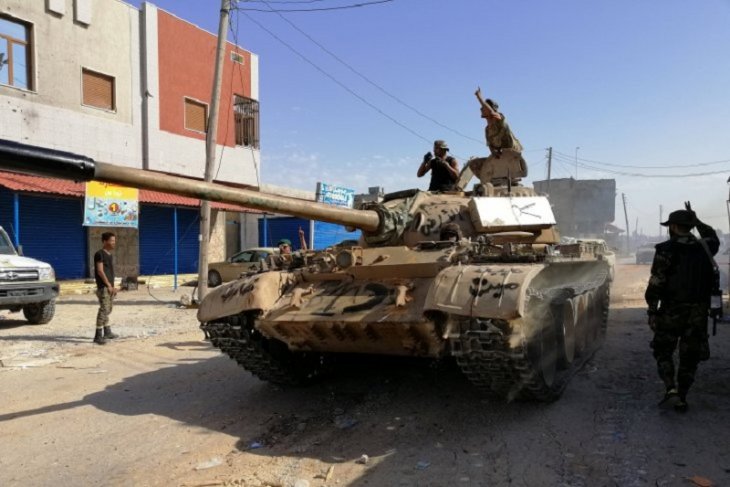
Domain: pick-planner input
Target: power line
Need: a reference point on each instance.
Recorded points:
(629, 166)
(368, 80)
(336, 81)
(320, 9)
(284, 1)
(642, 175)
(234, 34)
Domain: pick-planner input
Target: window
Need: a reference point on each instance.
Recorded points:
(14, 54)
(196, 115)
(237, 58)
(97, 90)
(246, 256)
(246, 115)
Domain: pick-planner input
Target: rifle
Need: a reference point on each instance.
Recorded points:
(715, 310)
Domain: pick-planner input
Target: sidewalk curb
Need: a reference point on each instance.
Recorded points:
(85, 286)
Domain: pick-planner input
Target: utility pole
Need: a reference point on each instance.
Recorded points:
(550, 166)
(210, 146)
(626, 216)
(576, 163)
(661, 217)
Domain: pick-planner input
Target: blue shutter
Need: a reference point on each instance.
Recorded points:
(50, 230)
(6, 212)
(188, 228)
(156, 240)
(286, 227)
(329, 234)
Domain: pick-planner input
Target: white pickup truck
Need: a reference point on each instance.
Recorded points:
(26, 284)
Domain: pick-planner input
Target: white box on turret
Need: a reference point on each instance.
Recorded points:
(503, 214)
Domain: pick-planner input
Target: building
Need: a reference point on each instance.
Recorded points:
(582, 207)
(130, 87)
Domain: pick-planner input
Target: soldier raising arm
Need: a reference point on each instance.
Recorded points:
(498, 134)
(678, 300)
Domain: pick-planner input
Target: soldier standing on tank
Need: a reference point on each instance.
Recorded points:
(678, 298)
(498, 134)
(444, 169)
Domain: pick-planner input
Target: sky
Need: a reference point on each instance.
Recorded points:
(356, 96)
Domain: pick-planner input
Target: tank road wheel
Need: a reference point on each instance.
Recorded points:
(214, 279)
(268, 359)
(584, 315)
(604, 294)
(543, 354)
(582, 324)
(565, 318)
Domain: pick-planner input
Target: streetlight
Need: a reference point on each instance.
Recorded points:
(576, 162)
(727, 204)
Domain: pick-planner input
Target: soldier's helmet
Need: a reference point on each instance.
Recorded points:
(681, 217)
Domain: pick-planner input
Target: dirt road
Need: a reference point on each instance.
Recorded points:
(160, 407)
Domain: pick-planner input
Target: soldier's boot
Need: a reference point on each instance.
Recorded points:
(109, 334)
(681, 405)
(99, 337)
(670, 397)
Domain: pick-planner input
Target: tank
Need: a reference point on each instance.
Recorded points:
(476, 275)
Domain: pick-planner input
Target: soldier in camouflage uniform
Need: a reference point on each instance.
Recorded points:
(498, 134)
(678, 298)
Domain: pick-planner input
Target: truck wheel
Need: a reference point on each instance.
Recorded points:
(39, 313)
(214, 279)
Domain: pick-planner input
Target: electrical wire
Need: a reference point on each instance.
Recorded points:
(629, 166)
(638, 175)
(335, 80)
(234, 33)
(368, 80)
(284, 1)
(320, 9)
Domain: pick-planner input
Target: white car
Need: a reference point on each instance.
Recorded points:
(26, 284)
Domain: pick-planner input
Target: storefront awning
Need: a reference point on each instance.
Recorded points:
(60, 187)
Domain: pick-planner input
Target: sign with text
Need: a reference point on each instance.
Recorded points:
(109, 205)
(335, 195)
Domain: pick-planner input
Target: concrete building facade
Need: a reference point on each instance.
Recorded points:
(582, 207)
(127, 86)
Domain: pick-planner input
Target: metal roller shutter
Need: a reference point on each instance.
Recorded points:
(156, 240)
(6, 211)
(188, 228)
(51, 230)
(278, 228)
(329, 234)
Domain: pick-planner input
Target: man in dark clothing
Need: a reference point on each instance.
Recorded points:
(444, 169)
(678, 298)
(105, 290)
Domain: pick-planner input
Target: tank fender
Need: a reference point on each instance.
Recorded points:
(482, 291)
(255, 292)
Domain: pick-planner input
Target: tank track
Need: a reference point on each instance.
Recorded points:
(482, 350)
(267, 359)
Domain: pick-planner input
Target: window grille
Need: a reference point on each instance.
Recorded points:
(246, 115)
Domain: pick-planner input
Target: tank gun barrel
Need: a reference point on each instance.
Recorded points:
(28, 159)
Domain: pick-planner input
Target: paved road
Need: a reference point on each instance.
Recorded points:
(159, 407)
